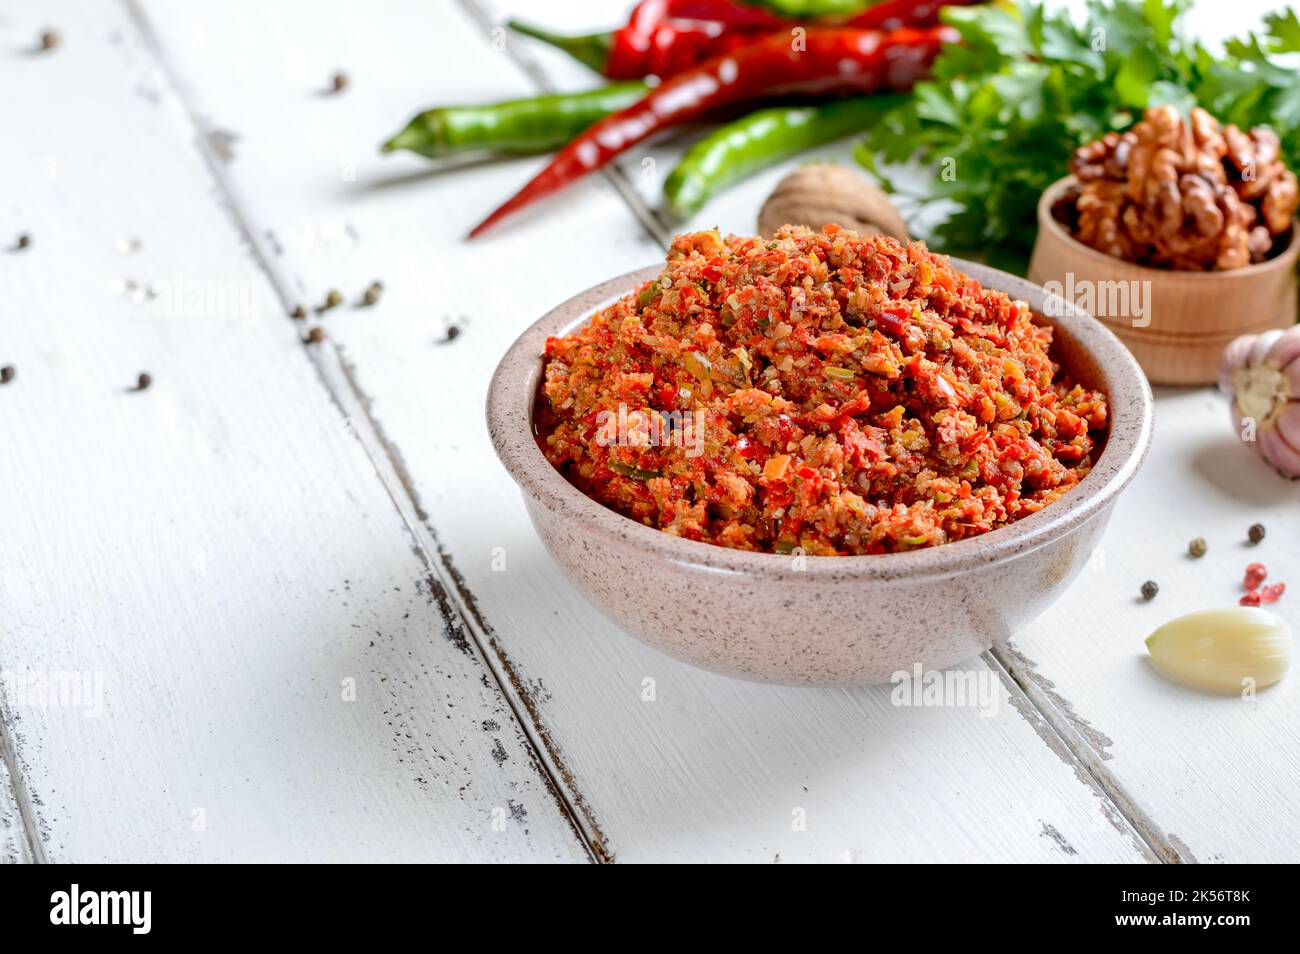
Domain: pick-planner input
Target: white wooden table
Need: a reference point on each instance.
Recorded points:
(276, 574)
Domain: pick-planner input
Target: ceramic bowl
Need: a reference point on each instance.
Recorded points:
(822, 621)
(1184, 319)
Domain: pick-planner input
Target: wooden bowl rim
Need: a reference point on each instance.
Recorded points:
(1048, 223)
(1191, 339)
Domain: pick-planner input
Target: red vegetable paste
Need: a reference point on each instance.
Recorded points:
(828, 391)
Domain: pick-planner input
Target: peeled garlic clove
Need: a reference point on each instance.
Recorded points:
(1223, 650)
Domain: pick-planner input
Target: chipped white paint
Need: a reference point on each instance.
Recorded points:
(203, 568)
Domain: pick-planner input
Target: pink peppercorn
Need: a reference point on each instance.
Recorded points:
(1256, 573)
(1270, 594)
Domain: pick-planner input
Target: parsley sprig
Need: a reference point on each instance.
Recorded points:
(1008, 106)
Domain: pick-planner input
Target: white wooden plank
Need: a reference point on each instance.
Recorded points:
(216, 553)
(713, 769)
(1174, 758)
(1218, 774)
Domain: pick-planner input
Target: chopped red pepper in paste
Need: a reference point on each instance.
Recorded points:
(838, 393)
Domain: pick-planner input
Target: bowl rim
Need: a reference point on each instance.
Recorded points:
(1048, 225)
(513, 387)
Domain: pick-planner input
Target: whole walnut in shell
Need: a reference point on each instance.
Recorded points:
(821, 195)
(1183, 195)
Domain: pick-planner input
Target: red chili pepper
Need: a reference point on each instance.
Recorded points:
(894, 320)
(632, 43)
(726, 12)
(696, 30)
(896, 14)
(675, 49)
(1256, 573)
(787, 429)
(664, 37)
(747, 448)
(825, 61)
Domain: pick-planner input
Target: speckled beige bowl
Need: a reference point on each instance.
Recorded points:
(822, 621)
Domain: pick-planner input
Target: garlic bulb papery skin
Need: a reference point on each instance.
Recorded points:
(1261, 375)
(1229, 650)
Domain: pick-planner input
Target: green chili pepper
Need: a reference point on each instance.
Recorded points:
(627, 470)
(520, 126)
(741, 148)
(698, 366)
(590, 49)
(804, 9)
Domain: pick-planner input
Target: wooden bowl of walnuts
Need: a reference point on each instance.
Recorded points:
(1177, 235)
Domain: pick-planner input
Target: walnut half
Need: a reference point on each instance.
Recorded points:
(823, 194)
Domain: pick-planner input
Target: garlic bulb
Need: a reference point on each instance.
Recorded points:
(1223, 650)
(1261, 374)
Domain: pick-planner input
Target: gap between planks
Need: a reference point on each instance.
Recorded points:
(1053, 723)
(16, 802)
(1018, 673)
(448, 589)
